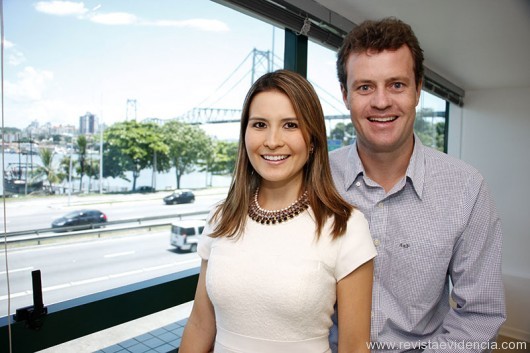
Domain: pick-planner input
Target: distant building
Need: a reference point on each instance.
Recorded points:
(87, 124)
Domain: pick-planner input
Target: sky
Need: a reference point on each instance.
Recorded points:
(63, 59)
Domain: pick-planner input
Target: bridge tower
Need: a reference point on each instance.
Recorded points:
(130, 113)
(261, 63)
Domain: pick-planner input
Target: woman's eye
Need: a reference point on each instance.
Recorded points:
(291, 125)
(259, 124)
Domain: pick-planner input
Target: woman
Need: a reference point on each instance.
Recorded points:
(283, 247)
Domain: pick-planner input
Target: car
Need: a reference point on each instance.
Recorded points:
(185, 234)
(145, 189)
(180, 196)
(81, 219)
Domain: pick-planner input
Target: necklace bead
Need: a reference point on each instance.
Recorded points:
(271, 217)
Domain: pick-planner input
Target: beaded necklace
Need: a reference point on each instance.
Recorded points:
(271, 217)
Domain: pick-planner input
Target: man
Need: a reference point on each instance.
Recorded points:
(431, 216)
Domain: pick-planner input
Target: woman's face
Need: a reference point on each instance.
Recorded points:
(274, 141)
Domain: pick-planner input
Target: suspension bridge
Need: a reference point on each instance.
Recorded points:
(260, 62)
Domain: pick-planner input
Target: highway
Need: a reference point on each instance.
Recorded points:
(39, 213)
(74, 269)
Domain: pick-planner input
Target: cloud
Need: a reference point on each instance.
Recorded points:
(114, 18)
(61, 8)
(30, 85)
(198, 23)
(8, 44)
(14, 56)
(71, 8)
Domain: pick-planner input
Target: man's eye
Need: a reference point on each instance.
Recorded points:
(398, 85)
(364, 88)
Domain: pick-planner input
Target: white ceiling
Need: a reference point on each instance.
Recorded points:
(475, 44)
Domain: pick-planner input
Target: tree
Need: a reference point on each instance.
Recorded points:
(343, 132)
(12, 130)
(215, 161)
(46, 156)
(81, 161)
(430, 134)
(188, 144)
(132, 146)
(115, 162)
(92, 171)
(224, 157)
(64, 169)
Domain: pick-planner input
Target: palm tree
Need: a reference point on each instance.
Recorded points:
(46, 156)
(82, 146)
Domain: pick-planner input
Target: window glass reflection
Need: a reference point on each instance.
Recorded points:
(86, 80)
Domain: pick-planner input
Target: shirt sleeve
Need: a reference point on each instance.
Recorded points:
(356, 246)
(477, 279)
(205, 241)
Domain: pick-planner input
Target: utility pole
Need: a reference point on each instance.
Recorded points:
(100, 158)
(70, 178)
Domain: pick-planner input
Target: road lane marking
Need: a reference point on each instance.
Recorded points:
(90, 280)
(97, 279)
(59, 286)
(17, 270)
(16, 295)
(119, 254)
(129, 273)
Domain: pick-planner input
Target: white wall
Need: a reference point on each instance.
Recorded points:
(492, 133)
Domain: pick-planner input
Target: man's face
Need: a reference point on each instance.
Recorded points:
(382, 95)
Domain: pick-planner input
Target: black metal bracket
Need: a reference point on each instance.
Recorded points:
(35, 314)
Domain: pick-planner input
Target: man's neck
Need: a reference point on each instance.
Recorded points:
(386, 168)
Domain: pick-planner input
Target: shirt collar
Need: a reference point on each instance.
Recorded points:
(415, 170)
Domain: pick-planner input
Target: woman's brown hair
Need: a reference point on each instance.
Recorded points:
(230, 216)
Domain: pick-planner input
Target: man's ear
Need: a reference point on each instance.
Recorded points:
(345, 96)
(418, 91)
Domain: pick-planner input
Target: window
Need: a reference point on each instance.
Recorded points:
(322, 73)
(71, 74)
(431, 121)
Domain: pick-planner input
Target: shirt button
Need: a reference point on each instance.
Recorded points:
(358, 184)
(377, 242)
(380, 205)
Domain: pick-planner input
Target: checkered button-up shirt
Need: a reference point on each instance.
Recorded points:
(438, 226)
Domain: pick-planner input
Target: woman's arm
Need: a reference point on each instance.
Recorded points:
(199, 333)
(354, 307)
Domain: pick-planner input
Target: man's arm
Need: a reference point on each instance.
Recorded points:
(475, 271)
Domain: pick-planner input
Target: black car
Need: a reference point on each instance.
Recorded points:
(144, 189)
(180, 196)
(81, 219)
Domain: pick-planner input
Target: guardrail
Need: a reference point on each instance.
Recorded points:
(47, 233)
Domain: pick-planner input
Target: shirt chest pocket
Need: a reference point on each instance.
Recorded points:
(418, 271)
